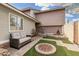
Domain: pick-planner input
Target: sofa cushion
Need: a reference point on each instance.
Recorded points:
(23, 34)
(16, 35)
(24, 39)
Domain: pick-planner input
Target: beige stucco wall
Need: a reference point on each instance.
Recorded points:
(28, 24)
(52, 18)
(4, 24)
(69, 31)
(76, 32)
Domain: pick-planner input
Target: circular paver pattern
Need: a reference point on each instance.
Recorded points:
(45, 48)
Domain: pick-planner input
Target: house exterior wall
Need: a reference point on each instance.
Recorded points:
(76, 32)
(69, 31)
(28, 24)
(51, 21)
(51, 18)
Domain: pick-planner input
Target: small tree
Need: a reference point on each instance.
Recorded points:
(58, 32)
(33, 32)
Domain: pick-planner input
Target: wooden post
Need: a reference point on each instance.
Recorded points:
(76, 32)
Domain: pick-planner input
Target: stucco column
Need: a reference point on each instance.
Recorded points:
(76, 32)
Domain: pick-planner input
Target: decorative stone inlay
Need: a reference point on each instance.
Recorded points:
(4, 52)
(45, 48)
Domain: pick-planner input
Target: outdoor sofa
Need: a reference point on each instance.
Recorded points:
(19, 39)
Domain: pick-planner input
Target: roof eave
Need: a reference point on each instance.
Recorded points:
(10, 7)
(49, 10)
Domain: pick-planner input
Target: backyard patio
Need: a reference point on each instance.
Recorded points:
(31, 32)
(63, 48)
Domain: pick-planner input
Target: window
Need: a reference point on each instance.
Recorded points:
(16, 22)
(20, 23)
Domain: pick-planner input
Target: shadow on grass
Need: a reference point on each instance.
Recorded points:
(60, 51)
(64, 39)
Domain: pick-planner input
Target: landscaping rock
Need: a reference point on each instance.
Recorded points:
(4, 52)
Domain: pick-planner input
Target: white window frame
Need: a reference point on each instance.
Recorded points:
(9, 23)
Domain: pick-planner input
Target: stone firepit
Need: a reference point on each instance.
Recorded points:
(45, 48)
(4, 52)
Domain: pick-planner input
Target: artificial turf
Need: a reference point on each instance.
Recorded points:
(60, 50)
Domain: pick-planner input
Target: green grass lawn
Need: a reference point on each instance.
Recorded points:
(64, 39)
(61, 51)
